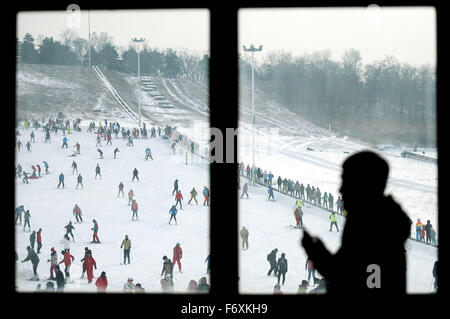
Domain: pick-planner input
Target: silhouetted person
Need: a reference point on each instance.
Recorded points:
(363, 244)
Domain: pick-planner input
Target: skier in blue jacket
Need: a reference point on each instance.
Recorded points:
(270, 191)
(61, 180)
(65, 139)
(270, 176)
(175, 187)
(46, 167)
(173, 212)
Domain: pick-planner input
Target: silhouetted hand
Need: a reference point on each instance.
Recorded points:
(312, 245)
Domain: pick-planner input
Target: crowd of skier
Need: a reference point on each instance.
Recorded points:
(313, 196)
(278, 267)
(103, 131)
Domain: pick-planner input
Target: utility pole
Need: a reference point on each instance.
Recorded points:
(139, 76)
(89, 31)
(252, 49)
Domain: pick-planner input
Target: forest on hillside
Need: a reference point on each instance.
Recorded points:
(384, 96)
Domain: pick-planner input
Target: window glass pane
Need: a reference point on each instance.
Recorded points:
(326, 84)
(134, 104)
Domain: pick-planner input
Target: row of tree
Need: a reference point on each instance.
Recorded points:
(72, 50)
(325, 90)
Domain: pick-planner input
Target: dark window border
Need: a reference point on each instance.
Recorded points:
(224, 204)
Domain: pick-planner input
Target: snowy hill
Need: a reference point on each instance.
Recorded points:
(151, 237)
(287, 145)
(45, 90)
(267, 223)
(314, 155)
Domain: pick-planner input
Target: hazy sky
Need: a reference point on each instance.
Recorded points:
(177, 29)
(408, 33)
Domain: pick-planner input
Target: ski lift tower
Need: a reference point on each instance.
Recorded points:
(139, 76)
(252, 49)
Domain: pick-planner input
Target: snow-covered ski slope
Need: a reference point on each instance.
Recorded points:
(267, 223)
(282, 141)
(151, 237)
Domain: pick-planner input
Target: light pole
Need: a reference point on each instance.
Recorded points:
(139, 76)
(252, 49)
(89, 36)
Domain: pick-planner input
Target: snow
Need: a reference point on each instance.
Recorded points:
(151, 237)
(267, 223)
(282, 141)
(25, 81)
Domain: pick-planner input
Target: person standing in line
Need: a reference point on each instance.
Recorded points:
(418, 229)
(428, 227)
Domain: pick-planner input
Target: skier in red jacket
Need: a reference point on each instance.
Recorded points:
(178, 198)
(88, 264)
(95, 229)
(39, 240)
(102, 282)
(177, 255)
(134, 208)
(67, 260)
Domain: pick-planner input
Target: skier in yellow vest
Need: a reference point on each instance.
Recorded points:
(333, 219)
(299, 203)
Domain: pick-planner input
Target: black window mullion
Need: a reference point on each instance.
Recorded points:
(224, 113)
